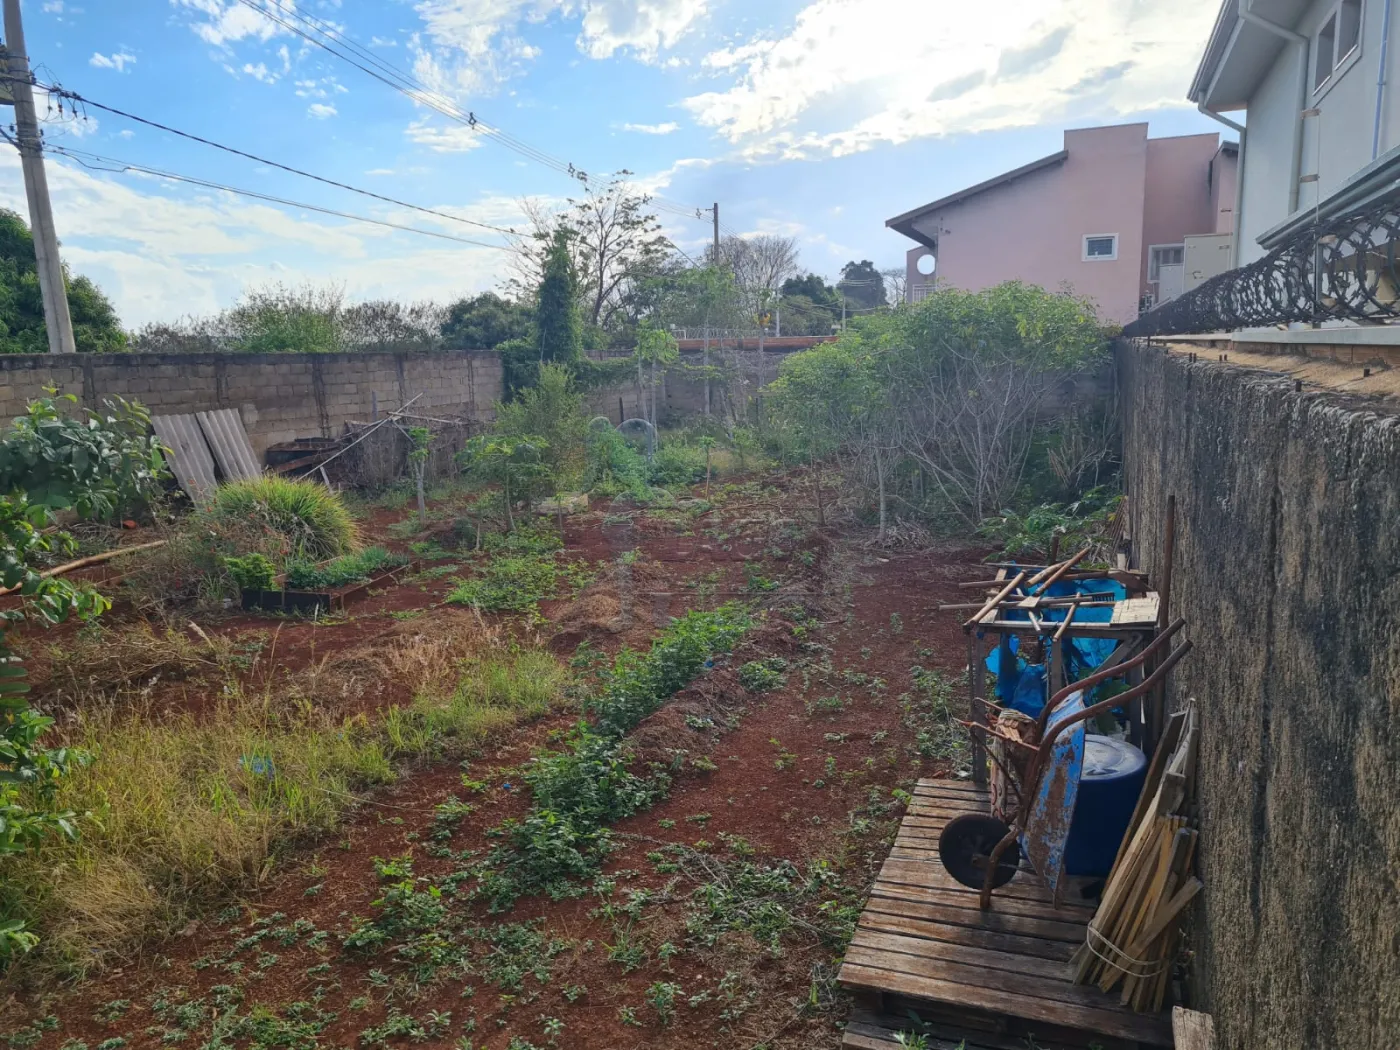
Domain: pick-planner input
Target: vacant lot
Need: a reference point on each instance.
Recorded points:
(374, 854)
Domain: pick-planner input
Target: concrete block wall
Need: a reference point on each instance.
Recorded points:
(279, 396)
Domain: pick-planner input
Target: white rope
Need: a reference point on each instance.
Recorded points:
(1141, 967)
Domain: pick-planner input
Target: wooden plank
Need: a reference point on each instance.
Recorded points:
(958, 895)
(976, 919)
(966, 787)
(973, 937)
(863, 1033)
(1144, 1028)
(1000, 979)
(1193, 1030)
(899, 944)
(1022, 887)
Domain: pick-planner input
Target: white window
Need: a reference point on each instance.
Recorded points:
(1100, 247)
(1164, 255)
(1336, 43)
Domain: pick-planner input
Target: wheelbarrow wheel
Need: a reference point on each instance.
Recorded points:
(966, 845)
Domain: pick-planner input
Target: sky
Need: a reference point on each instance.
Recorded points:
(818, 120)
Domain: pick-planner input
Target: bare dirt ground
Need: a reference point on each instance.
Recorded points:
(718, 921)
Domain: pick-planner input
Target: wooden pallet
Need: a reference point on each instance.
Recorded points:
(923, 937)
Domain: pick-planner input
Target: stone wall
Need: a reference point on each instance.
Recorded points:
(279, 396)
(1288, 570)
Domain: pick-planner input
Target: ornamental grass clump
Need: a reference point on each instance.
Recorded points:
(313, 519)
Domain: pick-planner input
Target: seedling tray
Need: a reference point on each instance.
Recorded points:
(316, 603)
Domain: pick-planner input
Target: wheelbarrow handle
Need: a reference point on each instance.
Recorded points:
(1116, 671)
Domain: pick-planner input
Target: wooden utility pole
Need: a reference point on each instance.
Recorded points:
(36, 187)
(715, 212)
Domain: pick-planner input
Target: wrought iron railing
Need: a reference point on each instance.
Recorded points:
(1341, 268)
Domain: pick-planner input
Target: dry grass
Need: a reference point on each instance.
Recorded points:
(100, 660)
(187, 809)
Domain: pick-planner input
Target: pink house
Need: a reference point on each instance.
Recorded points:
(1126, 220)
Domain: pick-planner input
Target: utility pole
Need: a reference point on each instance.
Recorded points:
(715, 212)
(36, 187)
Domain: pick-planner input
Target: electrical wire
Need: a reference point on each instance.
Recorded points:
(97, 162)
(331, 39)
(73, 96)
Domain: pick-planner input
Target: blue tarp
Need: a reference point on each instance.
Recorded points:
(1021, 685)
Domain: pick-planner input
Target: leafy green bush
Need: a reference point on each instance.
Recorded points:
(314, 520)
(516, 582)
(677, 464)
(350, 568)
(1082, 522)
(253, 572)
(613, 466)
(761, 676)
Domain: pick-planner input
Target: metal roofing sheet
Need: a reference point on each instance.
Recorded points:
(187, 453)
(229, 441)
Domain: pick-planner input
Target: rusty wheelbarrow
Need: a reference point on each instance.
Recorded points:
(984, 852)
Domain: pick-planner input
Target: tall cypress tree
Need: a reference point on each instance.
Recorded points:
(558, 334)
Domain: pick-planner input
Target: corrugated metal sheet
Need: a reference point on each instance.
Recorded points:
(229, 443)
(187, 453)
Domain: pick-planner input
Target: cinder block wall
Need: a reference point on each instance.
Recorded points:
(279, 396)
(1287, 568)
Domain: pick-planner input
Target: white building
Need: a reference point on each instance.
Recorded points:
(1315, 84)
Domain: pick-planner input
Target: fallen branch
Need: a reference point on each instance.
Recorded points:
(82, 563)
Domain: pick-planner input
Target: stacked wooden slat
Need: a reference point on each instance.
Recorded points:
(1134, 935)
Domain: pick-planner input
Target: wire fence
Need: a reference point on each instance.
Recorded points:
(1337, 269)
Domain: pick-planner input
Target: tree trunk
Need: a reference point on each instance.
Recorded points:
(880, 476)
(706, 360)
(821, 513)
(510, 514)
(422, 502)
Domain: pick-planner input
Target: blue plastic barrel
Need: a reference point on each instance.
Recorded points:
(1114, 772)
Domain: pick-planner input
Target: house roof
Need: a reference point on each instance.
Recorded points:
(1240, 53)
(904, 223)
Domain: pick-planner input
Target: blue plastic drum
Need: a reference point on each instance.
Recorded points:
(1114, 772)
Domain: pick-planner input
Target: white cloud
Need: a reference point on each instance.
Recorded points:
(325, 87)
(934, 69)
(161, 251)
(379, 41)
(260, 72)
(229, 22)
(653, 129)
(126, 133)
(118, 60)
(53, 7)
(380, 171)
(473, 46)
(320, 110)
(443, 138)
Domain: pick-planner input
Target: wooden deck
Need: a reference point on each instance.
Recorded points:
(922, 940)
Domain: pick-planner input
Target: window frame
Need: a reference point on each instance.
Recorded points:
(1339, 63)
(1084, 247)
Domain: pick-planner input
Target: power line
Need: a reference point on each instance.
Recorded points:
(96, 162)
(73, 96)
(332, 40)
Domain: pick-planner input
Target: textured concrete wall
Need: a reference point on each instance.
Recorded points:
(279, 396)
(1288, 570)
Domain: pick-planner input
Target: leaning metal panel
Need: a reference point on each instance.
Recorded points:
(1340, 269)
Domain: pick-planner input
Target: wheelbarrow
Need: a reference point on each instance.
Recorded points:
(984, 852)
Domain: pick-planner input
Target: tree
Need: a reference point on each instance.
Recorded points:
(484, 322)
(22, 330)
(279, 318)
(810, 306)
(557, 336)
(896, 284)
(760, 266)
(613, 241)
(939, 407)
(386, 325)
(862, 285)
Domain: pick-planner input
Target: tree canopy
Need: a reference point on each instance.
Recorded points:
(22, 331)
(863, 285)
(484, 322)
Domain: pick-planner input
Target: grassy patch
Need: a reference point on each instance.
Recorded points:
(191, 807)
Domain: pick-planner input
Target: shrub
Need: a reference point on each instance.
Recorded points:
(677, 464)
(314, 520)
(350, 568)
(253, 572)
(760, 676)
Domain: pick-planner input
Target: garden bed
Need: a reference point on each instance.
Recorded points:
(317, 602)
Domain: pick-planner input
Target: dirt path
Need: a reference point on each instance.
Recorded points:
(719, 919)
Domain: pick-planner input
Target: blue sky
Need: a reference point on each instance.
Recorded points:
(814, 118)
